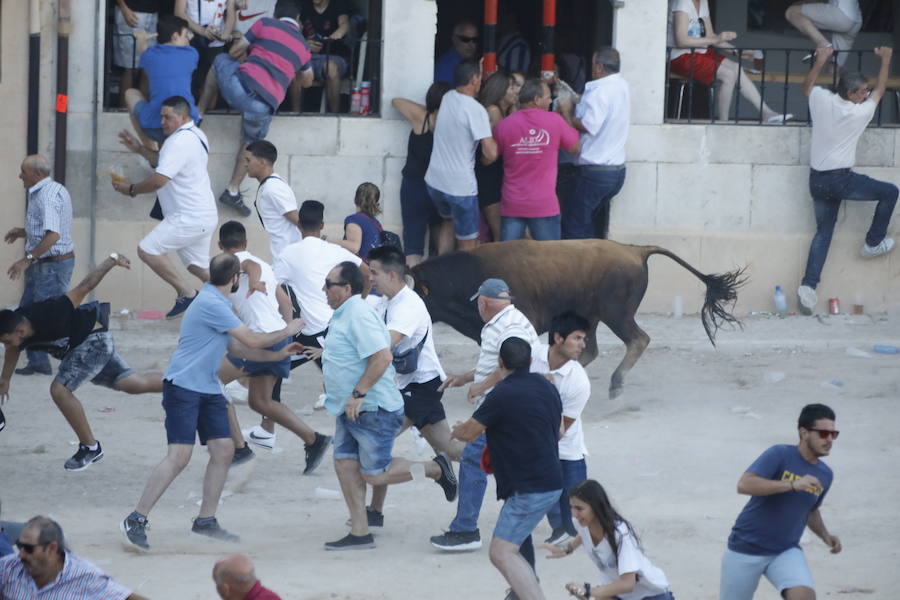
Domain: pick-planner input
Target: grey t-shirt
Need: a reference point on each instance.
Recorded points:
(461, 123)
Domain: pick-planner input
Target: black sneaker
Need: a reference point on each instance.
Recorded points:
(82, 459)
(135, 528)
(447, 479)
(375, 519)
(30, 370)
(209, 527)
(181, 305)
(352, 542)
(510, 595)
(315, 452)
(234, 201)
(2, 421)
(457, 541)
(559, 536)
(242, 455)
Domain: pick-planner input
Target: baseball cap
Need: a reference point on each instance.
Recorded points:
(493, 288)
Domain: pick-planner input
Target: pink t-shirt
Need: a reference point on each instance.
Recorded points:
(529, 140)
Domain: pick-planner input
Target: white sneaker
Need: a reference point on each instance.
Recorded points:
(780, 118)
(235, 392)
(808, 299)
(260, 437)
(886, 245)
(320, 403)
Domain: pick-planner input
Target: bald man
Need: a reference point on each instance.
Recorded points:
(49, 254)
(236, 580)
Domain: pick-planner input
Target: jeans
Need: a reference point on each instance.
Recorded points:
(45, 280)
(418, 212)
(541, 228)
(462, 209)
(587, 215)
(472, 484)
(828, 188)
(256, 115)
(560, 514)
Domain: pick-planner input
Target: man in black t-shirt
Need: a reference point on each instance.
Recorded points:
(77, 334)
(522, 418)
(324, 23)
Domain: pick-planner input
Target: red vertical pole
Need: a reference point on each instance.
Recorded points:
(548, 57)
(490, 37)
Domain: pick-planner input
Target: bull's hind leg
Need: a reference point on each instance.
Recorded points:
(636, 341)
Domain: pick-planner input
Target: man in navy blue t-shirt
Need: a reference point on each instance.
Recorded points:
(522, 418)
(787, 484)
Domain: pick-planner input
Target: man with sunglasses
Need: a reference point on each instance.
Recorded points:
(44, 568)
(787, 485)
(463, 46)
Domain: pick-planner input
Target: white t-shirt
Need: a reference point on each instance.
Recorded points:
(304, 265)
(274, 198)
(259, 311)
(605, 112)
(574, 389)
(462, 122)
(651, 581)
(406, 314)
(694, 26)
(207, 12)
(836, 127)
(256, 10)
(849, 8)
(509, 322)
(188, 196)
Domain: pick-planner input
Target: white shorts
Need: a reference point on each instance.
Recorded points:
(190, 241)
(124, 45)
(831, 18)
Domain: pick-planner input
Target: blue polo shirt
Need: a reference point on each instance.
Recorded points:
(445, 65)
(202, 342)
(354, 334)
(5, 545)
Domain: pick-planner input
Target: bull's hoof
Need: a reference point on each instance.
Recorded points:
(615, 391)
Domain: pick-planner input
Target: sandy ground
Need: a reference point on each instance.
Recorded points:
(670, 452)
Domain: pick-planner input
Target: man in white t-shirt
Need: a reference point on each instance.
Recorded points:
(462, 125)
(181, 182)
(264, 307)
(559, 361)
(603, 117)
(251, 11)
(276, 205)
(838, 120)
(841, 17)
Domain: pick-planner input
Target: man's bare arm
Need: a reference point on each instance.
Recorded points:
(78, 293)
(884, 53)
(822, 57)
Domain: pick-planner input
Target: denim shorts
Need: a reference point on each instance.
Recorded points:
(369, 439)
(462, 209)
(256, 115)
(521, 513)
(189, 413)
(154, 133)
(318, 62)
(94, 359)
(741, 573)
(252, 368)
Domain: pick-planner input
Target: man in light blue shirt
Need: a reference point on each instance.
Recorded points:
(193, 400)
(361, 393)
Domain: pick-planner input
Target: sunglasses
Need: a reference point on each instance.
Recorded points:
(467, 39)
(28, 548)
(330, 284)
(826, 433)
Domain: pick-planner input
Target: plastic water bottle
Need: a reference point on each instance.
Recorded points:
(780, 300)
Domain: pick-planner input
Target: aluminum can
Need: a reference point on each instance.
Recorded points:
(834, 306)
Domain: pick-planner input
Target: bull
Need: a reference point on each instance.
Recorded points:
(602, 280)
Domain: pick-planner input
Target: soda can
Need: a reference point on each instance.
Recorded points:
(834, 306)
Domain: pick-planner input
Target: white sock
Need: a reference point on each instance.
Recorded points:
(94, 447)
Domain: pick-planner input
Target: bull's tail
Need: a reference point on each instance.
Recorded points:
(721, 290)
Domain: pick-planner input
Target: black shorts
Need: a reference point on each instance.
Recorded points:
(422, 403)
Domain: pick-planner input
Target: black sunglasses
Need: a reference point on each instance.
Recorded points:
(329, 284)
(467, 39)
(28, 548)
(826, 433)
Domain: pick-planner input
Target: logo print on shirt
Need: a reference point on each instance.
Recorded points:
(788, 476)
(243, 17)
(534, 143)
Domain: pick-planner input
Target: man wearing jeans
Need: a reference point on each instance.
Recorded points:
(603, 116)
(838, 120)
(522, 418)
(787, 485)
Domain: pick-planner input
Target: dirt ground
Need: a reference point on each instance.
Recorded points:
(669, 452)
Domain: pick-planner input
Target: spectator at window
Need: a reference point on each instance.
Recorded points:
(362, 230)
(211, 22)
(513, 50)
(497, 95)
(416, 208)
(324, 24)
(841, 17)
(690, 28)
(463, 46)
(251, 11)
(132, 16)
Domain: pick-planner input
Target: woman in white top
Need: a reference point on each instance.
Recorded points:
(841, 17)
(613, 546)
(690, 28)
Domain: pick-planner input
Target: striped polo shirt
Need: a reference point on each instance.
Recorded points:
(277, 52)
(78, 580)
(509, 322)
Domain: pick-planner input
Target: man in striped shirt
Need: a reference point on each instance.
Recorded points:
(254, 77)
(49, 251)
(502, 321)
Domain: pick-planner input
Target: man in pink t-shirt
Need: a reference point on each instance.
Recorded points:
(529, 141)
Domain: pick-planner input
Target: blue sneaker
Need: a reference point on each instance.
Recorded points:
(234, 201)
(181, 305)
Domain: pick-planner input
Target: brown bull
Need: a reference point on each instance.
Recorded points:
(600, 279)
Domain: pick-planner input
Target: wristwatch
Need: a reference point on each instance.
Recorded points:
(29, 257)
(114, 256)
(357, 394)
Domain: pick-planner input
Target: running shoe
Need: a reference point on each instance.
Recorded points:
(373, 517)
(559, 536)
(315, 452)
(883, 247)
(260, 437)
(32, 370)
(181, 305)
(242, 455)
(352, 542)
(135, 528)
(84, 458)
(807, 299)
(209, 527)
(234, 201)
(235, 392)
(457, 541)
(447, 480)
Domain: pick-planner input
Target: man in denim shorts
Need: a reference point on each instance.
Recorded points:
(362, 395)
(78, 335)
(522, 418)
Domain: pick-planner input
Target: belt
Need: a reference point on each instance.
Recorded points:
(57, 258)
(603, 167)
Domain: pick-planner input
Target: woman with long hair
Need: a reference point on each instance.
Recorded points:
(496, 97)
(613, 546)
(362, 230)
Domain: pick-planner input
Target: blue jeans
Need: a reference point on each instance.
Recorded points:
(418, 212)
(462, 209)
(541, 228)
(256, 115)
(828, 188)
(560, 515)
(472, 484)
(587, 214)
(45, 280)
